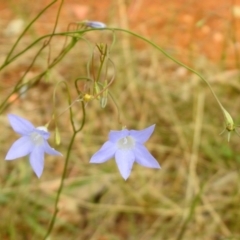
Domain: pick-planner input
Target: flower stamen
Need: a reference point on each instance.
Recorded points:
(126, 143)
(36, 138)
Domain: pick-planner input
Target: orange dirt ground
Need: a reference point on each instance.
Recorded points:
(206, 27)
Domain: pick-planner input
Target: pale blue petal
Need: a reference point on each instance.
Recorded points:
(95, 24)
(49, 150)
(144, 158)
(124, 160)
(114, 136)
(37, 160)
(142, 136)
(106, 152)
(22, 147)
(20, 125)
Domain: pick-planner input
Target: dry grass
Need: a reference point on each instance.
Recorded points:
(195, 195)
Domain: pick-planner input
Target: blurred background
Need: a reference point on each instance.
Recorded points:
(196, 194)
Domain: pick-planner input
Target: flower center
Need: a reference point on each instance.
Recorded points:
(126, 143)
(36, 138)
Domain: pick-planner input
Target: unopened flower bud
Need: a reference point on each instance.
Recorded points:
(95, 24)
(87, 97)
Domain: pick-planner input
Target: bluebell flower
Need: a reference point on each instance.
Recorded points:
(95, 24)
(33, 142)
(127, 147)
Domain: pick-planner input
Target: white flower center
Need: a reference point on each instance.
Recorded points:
(36, 138)
(42, 128)
(126, 143)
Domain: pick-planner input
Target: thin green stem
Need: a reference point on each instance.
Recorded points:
(36, 79)
(56, 21)
(133, 34)
(100, 69)
(174, 60)
(60, 187)
(75, 132)
(63, 53)
(69, 34)
(25, 30)
(18, 85)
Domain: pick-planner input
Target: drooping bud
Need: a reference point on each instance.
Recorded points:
(57, 136)
(104, 97)
(230, 126)
(95, 24)
(96, 89)
(103, 101)
(229, 121)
